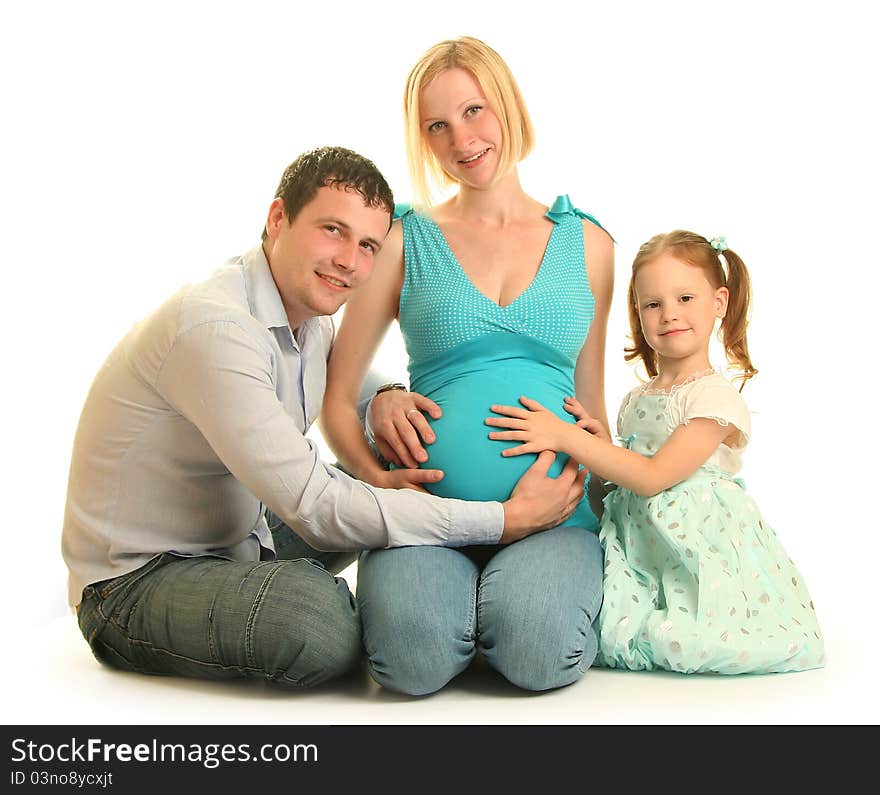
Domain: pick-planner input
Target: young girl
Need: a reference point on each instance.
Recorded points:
(695, 580)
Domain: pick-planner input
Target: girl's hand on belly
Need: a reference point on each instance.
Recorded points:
(399, 427)
(573, 406)
(534, 427)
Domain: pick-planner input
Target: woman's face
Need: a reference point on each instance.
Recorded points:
(461, 129)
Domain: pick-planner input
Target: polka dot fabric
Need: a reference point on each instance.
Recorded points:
(695, 580)
(466, 352)
(440, 307)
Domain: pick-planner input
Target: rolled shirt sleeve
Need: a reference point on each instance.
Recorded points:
(197, 420)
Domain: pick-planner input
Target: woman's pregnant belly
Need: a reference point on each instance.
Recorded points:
(472, 462)
(468, 379)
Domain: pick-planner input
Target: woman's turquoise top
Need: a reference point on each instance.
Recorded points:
(467, 352)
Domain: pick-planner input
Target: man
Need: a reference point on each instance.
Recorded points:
(196, 505)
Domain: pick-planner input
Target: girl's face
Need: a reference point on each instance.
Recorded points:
(678, 307)
(461, 129)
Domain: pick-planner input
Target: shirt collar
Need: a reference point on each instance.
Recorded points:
(263, 296)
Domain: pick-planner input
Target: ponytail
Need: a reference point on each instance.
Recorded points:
(736, 321)
(640, 348)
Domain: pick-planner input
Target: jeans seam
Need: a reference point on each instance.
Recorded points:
(212, 646)
(129, 577)
(255, 609)
(585, 628)
(251, 669)
(294, 682)
(127, 663)
(591, 619)
(478, 601)
(146, 644)
(145, 570)
(252, 618)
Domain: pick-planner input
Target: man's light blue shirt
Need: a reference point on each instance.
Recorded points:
(196, 422)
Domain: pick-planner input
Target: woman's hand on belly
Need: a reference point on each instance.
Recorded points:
(399, 428)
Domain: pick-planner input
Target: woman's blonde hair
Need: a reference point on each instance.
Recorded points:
(696, 250)
(502, 94)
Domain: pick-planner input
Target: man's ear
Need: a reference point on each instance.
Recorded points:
(276, 218)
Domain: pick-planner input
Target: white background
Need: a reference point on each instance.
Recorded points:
(142, 143)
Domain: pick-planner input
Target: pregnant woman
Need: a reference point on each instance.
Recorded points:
(497, 294)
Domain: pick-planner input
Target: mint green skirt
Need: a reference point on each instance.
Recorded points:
(696, 582)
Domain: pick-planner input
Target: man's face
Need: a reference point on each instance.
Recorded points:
(328, 250)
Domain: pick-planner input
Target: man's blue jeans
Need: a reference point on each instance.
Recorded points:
(288, 621)
(529, 608)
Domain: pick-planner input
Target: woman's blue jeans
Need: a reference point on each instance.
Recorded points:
(528, 607)
(287, 621)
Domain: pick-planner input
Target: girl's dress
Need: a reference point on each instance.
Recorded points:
(695, 580)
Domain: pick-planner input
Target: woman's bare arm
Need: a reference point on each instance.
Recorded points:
(589, 374)
(366, 319)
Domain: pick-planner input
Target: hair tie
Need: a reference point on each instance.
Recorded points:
(719, 244)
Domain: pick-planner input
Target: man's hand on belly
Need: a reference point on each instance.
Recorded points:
(540, 502)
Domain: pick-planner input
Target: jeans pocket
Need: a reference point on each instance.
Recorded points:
(100, 632)
(316, 564)
(113, 596)
(107, 588)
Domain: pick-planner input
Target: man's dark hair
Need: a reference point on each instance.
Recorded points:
(331, 165)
